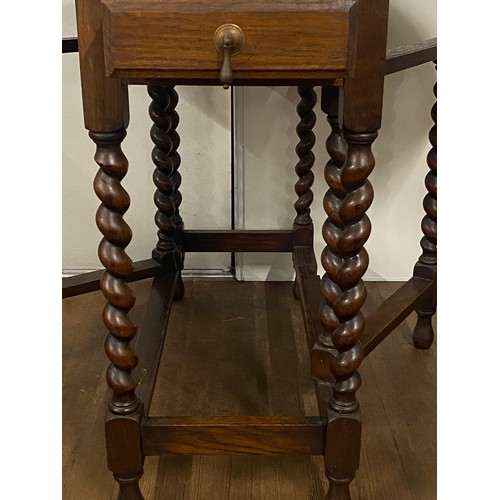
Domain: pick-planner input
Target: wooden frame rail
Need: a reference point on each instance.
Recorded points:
(392, 312)
(409, 56)
(89, 282)
(308, 281)
(233, 435)
(192, 241)
(150, 338)
(378, 325)
(237, 241)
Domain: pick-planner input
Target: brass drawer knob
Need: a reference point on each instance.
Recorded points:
(228, 40)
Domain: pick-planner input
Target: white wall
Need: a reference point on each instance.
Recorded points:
(269, 139)
(205, 130)
(270, 119)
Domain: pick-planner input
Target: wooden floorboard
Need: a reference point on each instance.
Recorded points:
(239, 348)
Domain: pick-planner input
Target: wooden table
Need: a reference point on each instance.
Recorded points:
(337, 44)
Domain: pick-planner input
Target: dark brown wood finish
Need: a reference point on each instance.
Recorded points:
(125, 409)
(303, 224)
(393, 311)
(118, 266)
(409, 56)
(324, 350)
(167, 160)
(308, 287)
(166, 176)
(363, 94)
(232, 435)
(239, 373)
(304, 263)
(164, 44)
(345, 261)
(303, 169)
(429, 222)
(105, 100)
(90, 282)
(151, 335)
(270, 29)
(345, 232)
(125, 459)
(423, 334)
(237, 241)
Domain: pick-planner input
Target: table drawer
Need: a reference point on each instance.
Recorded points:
(174, 39)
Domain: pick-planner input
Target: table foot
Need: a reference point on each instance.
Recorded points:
(129, 487)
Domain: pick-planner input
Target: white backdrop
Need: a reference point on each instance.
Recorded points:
(205, 130)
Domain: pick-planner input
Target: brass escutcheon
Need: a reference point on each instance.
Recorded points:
(235, 33)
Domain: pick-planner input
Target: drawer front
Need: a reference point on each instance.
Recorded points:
(142, 39)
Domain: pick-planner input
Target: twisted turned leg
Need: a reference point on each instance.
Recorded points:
(166, 176)
(423, 334)
(302, 223)
(124, 409)
(345, 261)
(305, 110)
(324, 350)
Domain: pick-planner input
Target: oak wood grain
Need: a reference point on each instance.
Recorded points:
(154, 40)
(152, 332)
(105, 100)
(398, 454)
(363, 94)
(232, 435)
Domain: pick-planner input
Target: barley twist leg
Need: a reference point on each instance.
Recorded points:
(166, 176)
(303, 224)
(124, 409)
(423, 334)
(345, 261)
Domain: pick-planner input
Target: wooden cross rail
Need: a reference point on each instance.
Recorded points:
(89, 282)
(392, 312)
(193, 241)
(237, 241)
(397, 59)
(378, 324)
(304, 263)
(150, 337)
(233, 435)
(409, 56)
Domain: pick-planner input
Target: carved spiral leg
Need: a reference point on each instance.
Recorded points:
(303, 222)
(423, 334)
(324, 349)
(166, 175)
(345, 261)
(124, 407)
(305, 154)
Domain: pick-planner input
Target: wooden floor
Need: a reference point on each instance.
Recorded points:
(239, 348)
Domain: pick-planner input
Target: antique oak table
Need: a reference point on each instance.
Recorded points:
(337, 44)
